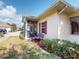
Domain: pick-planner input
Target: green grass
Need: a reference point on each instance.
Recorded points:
(1, 33)
(14, 47)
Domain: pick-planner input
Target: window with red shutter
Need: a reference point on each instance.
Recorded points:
(43, 27)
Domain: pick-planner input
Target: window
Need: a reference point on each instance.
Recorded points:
(43, 27)
(75, 27)
(75, 24)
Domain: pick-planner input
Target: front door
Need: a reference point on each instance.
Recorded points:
(32, 26)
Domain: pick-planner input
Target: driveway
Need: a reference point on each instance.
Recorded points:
(10, 34)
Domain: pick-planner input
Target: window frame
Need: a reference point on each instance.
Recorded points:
(43, 27)
(74, 25)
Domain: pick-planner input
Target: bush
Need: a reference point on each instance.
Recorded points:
(1, 34)
(62, 48)
(21, 36)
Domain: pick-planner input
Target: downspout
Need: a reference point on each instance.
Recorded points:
(59, 25)
(24, 26)
(24, 29)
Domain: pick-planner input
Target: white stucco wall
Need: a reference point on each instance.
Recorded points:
(58, 26)
(64, 27)
(52, 26)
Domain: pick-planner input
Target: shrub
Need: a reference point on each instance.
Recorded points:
(62, 48)
(21, 36)
(1, 34)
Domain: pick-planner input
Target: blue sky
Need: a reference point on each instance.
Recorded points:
(29, 7)
(12, 10)
(34, 7)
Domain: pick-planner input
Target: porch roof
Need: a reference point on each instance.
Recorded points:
(28, 18)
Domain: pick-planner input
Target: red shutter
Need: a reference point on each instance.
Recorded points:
(45, 27)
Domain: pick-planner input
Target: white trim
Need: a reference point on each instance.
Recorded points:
(63, 9)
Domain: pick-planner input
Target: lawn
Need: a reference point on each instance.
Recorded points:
(15, 48)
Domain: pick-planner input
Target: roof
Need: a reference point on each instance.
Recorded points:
(58, 6)
(4, 25)
(30, 18)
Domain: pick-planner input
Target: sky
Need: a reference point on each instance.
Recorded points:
(12, 10)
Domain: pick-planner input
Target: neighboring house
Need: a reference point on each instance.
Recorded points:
(60, 21)
(5, 26)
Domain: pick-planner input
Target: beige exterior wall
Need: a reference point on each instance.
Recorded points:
(52, 26)
(58, 26)
(64, 27)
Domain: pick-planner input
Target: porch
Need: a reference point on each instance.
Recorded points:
(31, 28)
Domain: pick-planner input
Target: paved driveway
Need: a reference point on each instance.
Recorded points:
(13, 34)
(10, 34)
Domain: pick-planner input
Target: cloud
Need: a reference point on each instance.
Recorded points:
(8, 14)
(8, 11)
(17, 20)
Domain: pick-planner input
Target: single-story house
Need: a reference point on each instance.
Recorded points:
(5, 26)
(61, 21)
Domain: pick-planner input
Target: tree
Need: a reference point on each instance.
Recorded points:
(13, 27)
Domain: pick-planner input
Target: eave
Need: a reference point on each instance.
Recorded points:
(56, 8)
